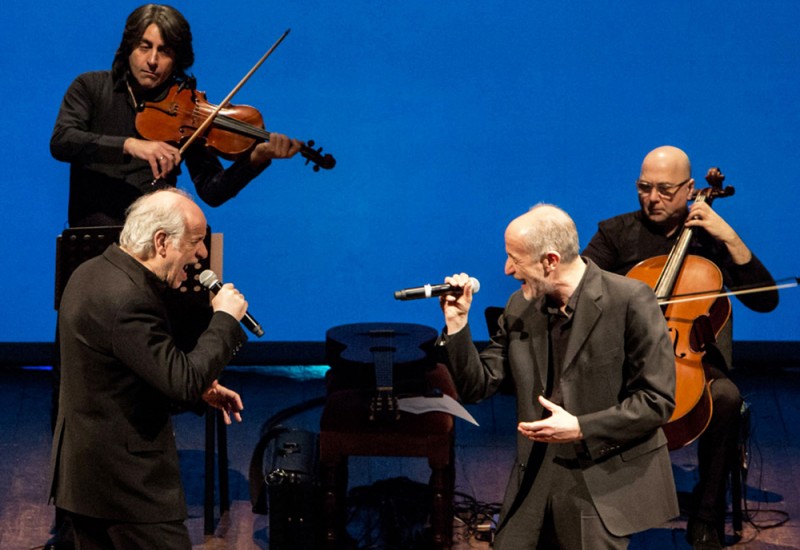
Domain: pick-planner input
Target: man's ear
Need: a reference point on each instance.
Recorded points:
(160, 242)
(551, 259)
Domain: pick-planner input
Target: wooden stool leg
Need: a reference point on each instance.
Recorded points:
(736, 492)
(208, 485)
(334, 503)
(736, 500)
(439, 507)
(222, 463)
(738, 465)
(216, 432)
(443, 487)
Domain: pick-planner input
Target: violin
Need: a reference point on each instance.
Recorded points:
(234, 130)
(693, 324)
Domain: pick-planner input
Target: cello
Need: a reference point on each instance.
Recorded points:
(693, 325)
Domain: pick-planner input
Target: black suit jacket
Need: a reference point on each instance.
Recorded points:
(114, 454)
(618, 378)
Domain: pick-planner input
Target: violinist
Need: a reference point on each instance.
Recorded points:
(110, 164)
(664, 188)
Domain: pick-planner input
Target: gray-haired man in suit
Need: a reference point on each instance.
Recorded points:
(114, 461)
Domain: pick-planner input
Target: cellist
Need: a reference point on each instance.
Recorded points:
(664, 187)
(110, 164)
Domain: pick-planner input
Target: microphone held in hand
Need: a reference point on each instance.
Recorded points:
(429, 291)
(210, 280)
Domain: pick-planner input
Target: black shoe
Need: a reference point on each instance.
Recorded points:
(57, 543)
(63, 539)
(702, 535)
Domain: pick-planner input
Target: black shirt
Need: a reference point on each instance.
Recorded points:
(559, 324)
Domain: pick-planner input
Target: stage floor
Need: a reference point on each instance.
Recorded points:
(483, 458)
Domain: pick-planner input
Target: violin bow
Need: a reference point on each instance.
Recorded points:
(702, 295)
(208, 121)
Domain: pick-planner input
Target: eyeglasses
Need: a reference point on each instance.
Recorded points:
(664, 190)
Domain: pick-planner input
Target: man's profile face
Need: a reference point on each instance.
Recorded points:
(528, 270)
(186, 252)
(151, 62)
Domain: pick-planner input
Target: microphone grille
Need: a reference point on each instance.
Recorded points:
(476, 284)
(208, 278)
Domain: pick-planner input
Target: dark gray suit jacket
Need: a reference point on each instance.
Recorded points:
(114, 454)
(618, 378)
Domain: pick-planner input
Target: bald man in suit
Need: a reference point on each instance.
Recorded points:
(591, 364)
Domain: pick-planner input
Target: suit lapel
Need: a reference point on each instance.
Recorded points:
(587, 312)
(540, 350)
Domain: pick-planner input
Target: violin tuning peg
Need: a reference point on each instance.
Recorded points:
(310, 143)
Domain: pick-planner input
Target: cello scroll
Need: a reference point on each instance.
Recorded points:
(715, 178)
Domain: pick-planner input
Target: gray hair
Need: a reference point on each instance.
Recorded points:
(552, 229)
(145, 217)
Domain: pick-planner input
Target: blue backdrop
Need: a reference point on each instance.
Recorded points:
(447, 120)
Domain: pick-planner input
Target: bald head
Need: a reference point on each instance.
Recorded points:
(667, 160)
(546, 228)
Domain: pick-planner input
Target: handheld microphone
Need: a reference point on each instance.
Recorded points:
(429, 291)
(210, 280)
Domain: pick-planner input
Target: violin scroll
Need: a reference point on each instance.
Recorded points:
(315, 155)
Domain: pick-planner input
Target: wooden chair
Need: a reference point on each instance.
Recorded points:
(350, 427)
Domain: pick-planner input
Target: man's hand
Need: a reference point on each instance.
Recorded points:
(231, 301)
(162, 156)
(456, 308)
(279, 146)
(561, 427)
(224, 399)
(703, 216)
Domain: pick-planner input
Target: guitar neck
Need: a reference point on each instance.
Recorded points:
(383, 359)
(384, 370)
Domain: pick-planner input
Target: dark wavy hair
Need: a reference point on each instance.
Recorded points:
(174, 30)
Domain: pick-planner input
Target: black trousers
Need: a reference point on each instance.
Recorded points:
(99, 534)
(557, 513)
(717, 451)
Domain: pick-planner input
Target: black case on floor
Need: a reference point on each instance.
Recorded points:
(293, 489)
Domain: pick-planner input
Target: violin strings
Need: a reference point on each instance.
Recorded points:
(233, 123)
(229, 123)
